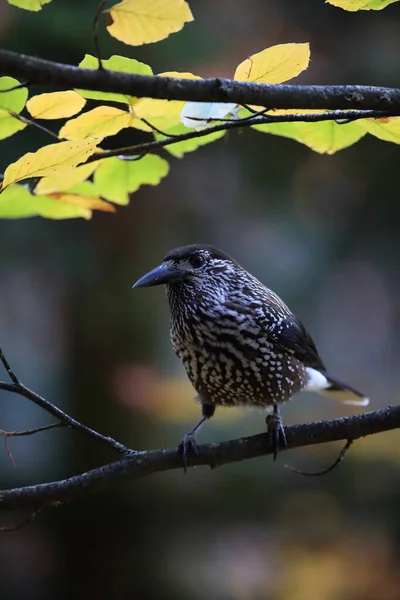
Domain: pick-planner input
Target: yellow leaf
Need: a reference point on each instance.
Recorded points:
(354, 5)
(57, 105)
(161, 113)
(138, 22)
(276, 64)
(387, 130)
(99, 122)
(66, 179)
(89, 202)
(49, 160)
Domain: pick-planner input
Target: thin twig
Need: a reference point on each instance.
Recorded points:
(33, 124)
(238, 123)
(8, 368)
(19, 388)
(32, 516)
(96, 32)
(160, 131)
(332, 466)
(9, 434)
(22, 390)
(253, 111)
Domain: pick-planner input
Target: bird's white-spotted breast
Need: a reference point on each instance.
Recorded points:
(227, 354)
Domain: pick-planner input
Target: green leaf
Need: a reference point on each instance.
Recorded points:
(354, 5)
(34, 5)
(114, 63)
(178, 149)
(325, 137)
(116, 178)
(86, 188)
(14, 101)
(386, 129)
(17, 202)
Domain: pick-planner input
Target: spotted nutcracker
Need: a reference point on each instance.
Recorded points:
(239, 342)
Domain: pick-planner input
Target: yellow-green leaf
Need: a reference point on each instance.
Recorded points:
(178, 149)
(116, 178)
(276, 64)
(387, 129)
(9, 124)
(17, 202)
(34, 5)
(114, 63)
(11, 101)
(99, 122)
(89, 202)
(354, 5)
(325, 137)
(138, 22)
(49, 160)
(65, 180)
(56, 105)
(161, 113)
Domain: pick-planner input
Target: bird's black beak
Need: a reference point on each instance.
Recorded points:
(158, 276)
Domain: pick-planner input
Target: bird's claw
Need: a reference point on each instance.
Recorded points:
(277, 431)
(186, 447)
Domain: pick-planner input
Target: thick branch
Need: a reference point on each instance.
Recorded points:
(153, 461)
(62, 76)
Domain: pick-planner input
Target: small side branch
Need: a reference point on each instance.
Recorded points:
(17, 387)
(227, 124)
(9, 434)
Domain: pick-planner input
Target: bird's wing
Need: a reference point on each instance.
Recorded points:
(287, 332)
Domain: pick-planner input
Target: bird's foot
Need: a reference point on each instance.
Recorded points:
(276, 430)
(186, 447)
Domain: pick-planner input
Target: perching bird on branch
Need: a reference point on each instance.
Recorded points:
(239, 342)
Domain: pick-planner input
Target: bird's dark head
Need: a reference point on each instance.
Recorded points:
(195, 266)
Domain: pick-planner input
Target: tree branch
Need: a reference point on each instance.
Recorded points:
(19, 388)
(44, 72)
(345, 116)
(217, 454)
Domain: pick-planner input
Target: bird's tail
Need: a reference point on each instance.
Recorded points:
(322, 383)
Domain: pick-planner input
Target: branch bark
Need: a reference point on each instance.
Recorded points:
(62, 76)
(144, 463)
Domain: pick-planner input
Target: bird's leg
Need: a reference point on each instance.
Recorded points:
(189, 443)
(276, 430)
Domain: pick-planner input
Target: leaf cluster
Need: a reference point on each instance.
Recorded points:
(77, 174)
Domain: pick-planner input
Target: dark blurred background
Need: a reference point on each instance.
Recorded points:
(323, 231)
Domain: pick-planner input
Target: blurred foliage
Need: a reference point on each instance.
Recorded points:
(323, 231)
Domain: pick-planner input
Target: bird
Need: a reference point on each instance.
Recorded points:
(239, 342)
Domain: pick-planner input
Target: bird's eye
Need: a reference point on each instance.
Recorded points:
(197, 260)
